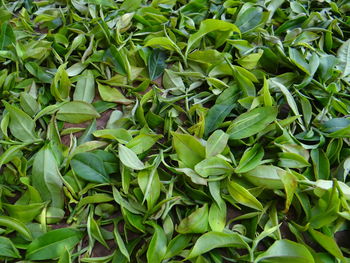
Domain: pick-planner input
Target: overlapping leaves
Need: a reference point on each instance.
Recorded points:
(167, 131)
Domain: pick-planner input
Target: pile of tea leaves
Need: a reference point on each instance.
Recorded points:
(175, 131)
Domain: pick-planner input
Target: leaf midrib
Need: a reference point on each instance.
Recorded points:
(46, 246)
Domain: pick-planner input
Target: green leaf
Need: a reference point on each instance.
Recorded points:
(243, 196)
(171, 80)
(52, 244)
(7, 37)
(131, 5)
(212, 240)
(65, 257)
(298, 59)
(7, 248)
(85, 87)
(90, 167)
(207, 56)
(250, 61)
(268, 101)
(21, 125)
(217, 216)
(291, 102)
(286, 251)
(196, 222)
(222, 108)
(328, 184)
(124, 203)
(143, 142)
(266, 175)
(158, 245)
(10, 153)
(189, 150)
(156, 63)
(25, 213)
(29, 104)
(216, 116)
(76, 112)
(343, 55)
(60, 86)
(119, 59)
(121, 135)
(197, 179)
(176, 245)
(162, 117)
(94, 199)
(87, 135)
(16, 225)
(149, 180)
(251, 158)
(249, 18)
(75, 69)
(290, 186)
(129, 158)
(245, 81)
(112, 95)
(216, 143)
(94, 231)
(46, 177)
(321, 164)
(120, 243)
(328, 243)
(40, 73)
(207, 26)
(77, 41)
(252, 122)
(213, 166)
(106, 3)
(292, 160)
(335, 124)
(163, 42)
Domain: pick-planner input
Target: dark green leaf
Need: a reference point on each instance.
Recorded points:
(156, 64)
(89, 167)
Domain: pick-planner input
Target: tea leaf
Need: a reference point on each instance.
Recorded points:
(286, 251)
(89, 167)
(52, 244)
(77, 112)
(212, 240)
(129, 158)
(196, 222)
(85, 87)
(157, 247)
(21, 125)
(252, 122)
(156, 63)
